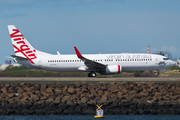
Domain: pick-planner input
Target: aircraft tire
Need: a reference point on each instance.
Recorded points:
(92, 74)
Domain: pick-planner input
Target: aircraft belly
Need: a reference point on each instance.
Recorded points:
(61, 69)
(136, 67)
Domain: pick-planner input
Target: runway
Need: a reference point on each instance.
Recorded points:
(86, 79)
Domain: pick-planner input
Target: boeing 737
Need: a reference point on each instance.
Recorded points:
(104, 64)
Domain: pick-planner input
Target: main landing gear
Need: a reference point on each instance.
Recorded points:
(92, 74)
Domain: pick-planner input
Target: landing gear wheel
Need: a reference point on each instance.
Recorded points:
(92, 74)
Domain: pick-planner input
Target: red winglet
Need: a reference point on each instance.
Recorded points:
(78, 53)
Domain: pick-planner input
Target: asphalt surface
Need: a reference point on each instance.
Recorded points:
(86, 79)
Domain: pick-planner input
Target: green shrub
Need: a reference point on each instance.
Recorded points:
(174, 68)
(136, 74)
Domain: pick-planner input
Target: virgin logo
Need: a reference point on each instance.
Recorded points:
(24, 48)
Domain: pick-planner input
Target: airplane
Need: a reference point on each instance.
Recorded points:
(104, 64)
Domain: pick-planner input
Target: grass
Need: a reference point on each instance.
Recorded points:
(24, 72)
(15, 69)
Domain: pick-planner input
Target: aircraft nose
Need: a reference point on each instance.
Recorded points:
(173, 63)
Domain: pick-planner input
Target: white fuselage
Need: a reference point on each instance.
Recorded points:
(129, 62)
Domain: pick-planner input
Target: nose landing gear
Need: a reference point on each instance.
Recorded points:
(158, 74)
(92, 74)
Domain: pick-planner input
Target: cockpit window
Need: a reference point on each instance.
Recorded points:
(165, 58)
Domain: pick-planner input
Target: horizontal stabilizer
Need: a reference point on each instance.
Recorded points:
(19, 57)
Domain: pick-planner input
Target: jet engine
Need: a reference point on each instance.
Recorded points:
(113, 69)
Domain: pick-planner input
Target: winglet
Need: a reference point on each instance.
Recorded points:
(78, 53)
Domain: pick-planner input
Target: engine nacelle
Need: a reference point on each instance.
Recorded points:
(113, 69)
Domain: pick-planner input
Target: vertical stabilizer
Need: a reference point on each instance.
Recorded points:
(22, 47)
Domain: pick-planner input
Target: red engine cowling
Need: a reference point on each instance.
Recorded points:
(113, 69)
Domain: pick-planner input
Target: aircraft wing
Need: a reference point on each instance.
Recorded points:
(89, 63)
(18, 57)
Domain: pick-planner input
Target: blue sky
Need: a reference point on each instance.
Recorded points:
(93, 26)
